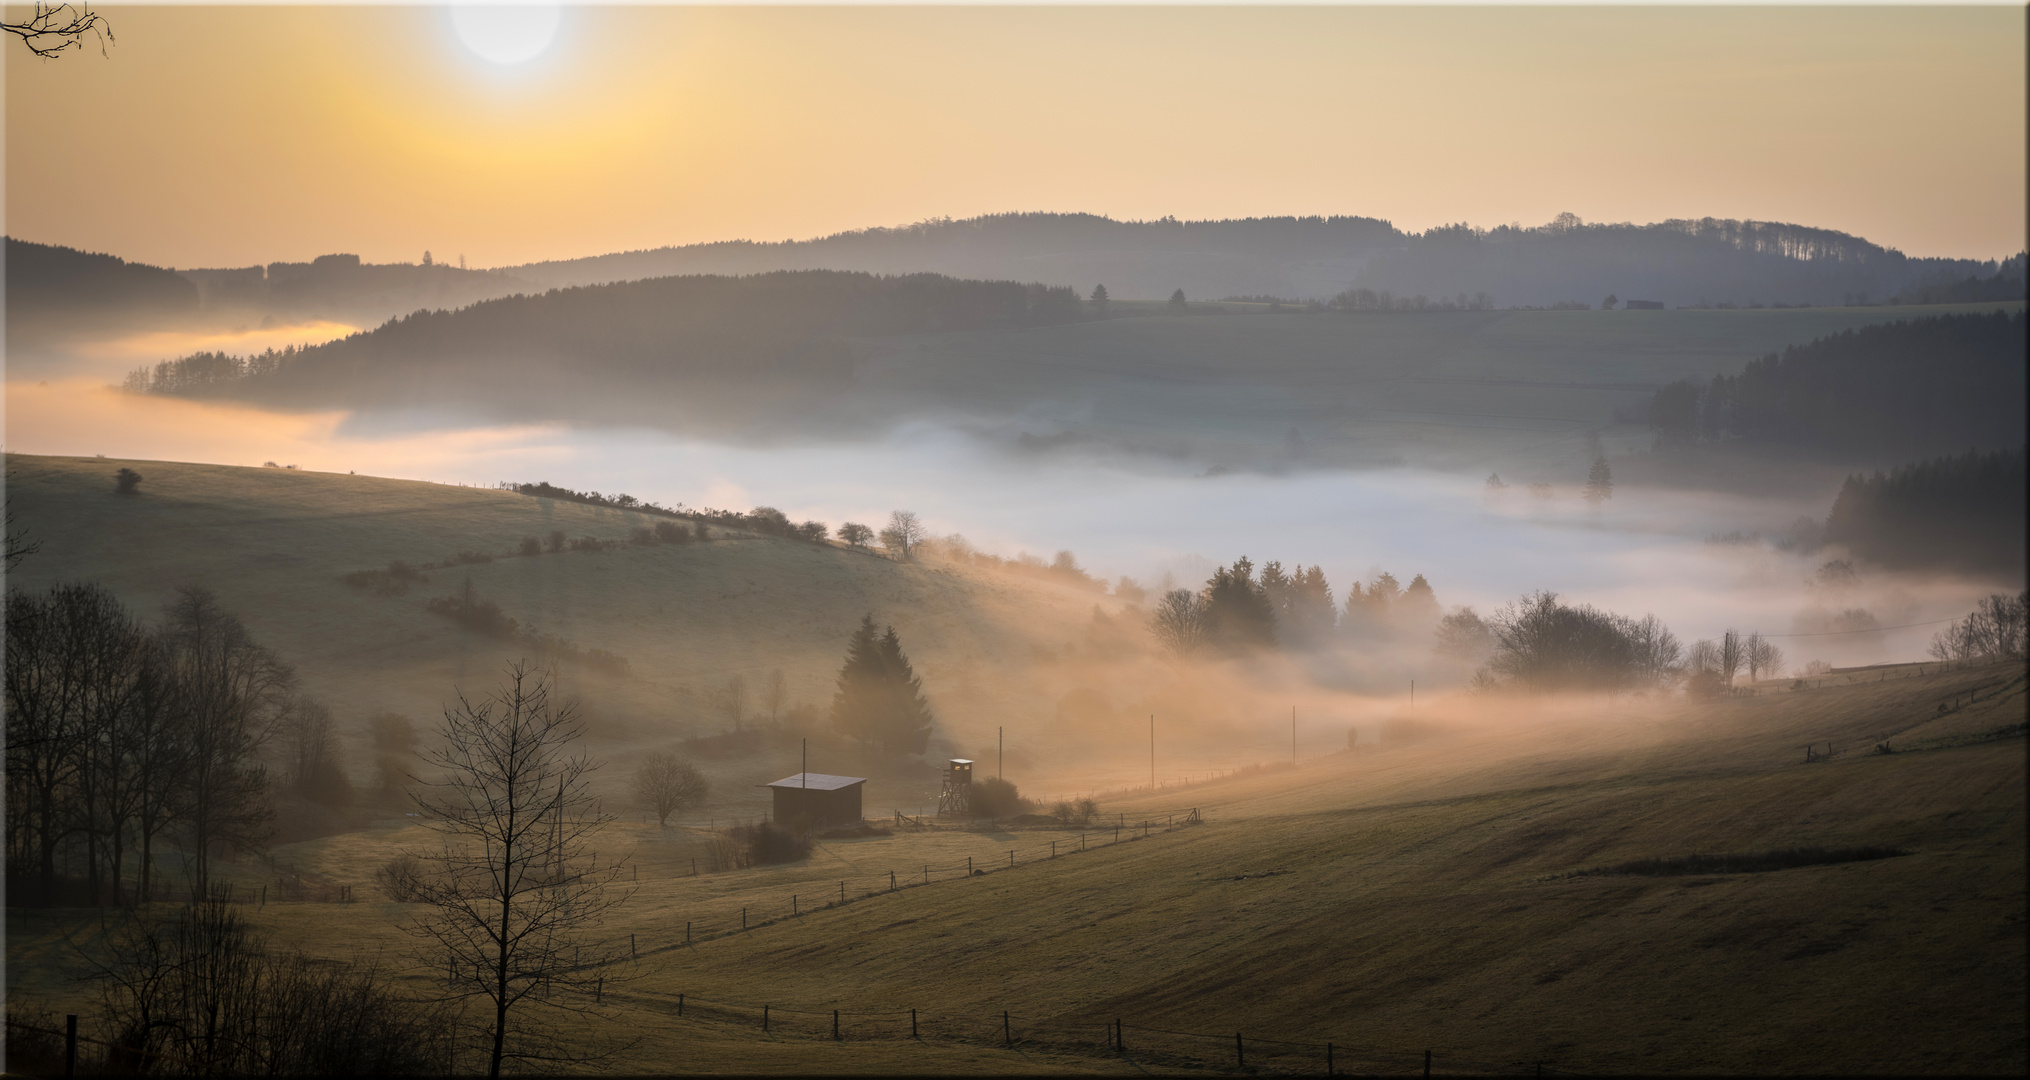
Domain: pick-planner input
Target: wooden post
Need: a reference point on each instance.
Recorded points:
(70, 1045)
(1011, 858)
(835, 1025)
(743, 918)
(1240, 1052)
(599, 990)
(687, 932)
(1427, 1065)
(764, 1024)
(1006, 1038)
(680, 1004)
(631, 953)
(792, 904)
(912, 1023)
(891, 881)
(1328, 1059)
(1120, 1041)
(1053, 849)
(842, 892)
(969, 866)
(694, 866)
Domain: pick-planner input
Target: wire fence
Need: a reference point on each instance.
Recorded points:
(821, 897)
(1090, 1035)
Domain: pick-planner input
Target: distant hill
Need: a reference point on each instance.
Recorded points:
(698, 341)
(51, 289)
(1961, 513)
(1680, 262)
(343, 287)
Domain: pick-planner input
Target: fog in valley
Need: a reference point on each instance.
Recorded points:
(564, 539)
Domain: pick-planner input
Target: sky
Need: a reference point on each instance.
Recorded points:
(231, 136)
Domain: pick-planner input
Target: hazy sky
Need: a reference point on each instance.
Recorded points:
(232, 136)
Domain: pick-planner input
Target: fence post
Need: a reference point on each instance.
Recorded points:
(1427, 1065)
(764, 1021)
(694, 867)
(1328, 1059)
(743, 918)
(1240, 1052)
(926, 873)
(792, 904)
(680, 1004)
(1006, 1038)
(969, 865)
(912, 1023)
(842, 892)
(70, 1045)
(599, 990)
(1053, 849)
(891, 881)
(1120, 1040)
(835, 1025)
(1011, 858)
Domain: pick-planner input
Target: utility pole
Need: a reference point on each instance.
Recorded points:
(807, 782)
(1152, 751)
(1293, 736)
(1413, 694)
(1000, 750)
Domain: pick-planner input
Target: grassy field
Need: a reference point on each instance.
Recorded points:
(1415, 897)
(1423, 893)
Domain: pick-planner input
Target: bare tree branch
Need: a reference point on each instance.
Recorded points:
(52, 28)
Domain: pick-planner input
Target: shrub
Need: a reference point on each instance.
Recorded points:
(557, 541)
(812, 531)
(402, 571)
(530, 546)
(856, 534)
(768, 843)
(995, 798)
(670, 532)
(400, 878)
(126, 481)
(464, 558)
(724, 852)
(642, 536)
(1078, 812)
(588, 543)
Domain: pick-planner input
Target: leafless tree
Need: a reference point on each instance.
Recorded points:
(732, 699)
(229, 697)
(52, 28)
(515, 892)
(665, 783)
(19, 546)
(1764, 659)
(1995, 628)
(1182, 622)
(1730, 656)
(775, 695)
(905, 531)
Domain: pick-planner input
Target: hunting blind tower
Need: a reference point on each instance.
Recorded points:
(956, 798)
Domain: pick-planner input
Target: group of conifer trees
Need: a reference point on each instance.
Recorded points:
(879, 700)
(1292, 608)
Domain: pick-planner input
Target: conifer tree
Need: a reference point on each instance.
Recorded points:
(1239, 607)
(879, 698)
(1599, 482)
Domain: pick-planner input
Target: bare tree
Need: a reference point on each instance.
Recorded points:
(775, 695)
(732, 699)
(1765, 660)
(19, 546)
(515, 891)
(1182, 622)
(229, 697)
(1730, 656)
(665, 784)
(904, 532)
(52, 28)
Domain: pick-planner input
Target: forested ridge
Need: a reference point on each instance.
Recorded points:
(700, 328)
(1896, 390)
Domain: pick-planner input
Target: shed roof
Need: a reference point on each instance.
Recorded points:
(818, 781)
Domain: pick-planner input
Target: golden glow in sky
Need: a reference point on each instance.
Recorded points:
(239, 135)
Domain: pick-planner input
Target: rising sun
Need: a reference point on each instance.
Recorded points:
(506, 33)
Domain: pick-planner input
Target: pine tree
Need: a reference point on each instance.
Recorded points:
(1419, 605)
(1599, 482)
(879, 698)
(1239, 607)
(1100, 299)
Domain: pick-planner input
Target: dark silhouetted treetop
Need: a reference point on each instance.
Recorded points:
(1237, 608)
(52, 284)
(879, 699)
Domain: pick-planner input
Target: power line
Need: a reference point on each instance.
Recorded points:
(1864, 630)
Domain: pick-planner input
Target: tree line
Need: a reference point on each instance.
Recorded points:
(1921, 386)
(1964, 512)
(124, 737)
(791, 324)
(1238, 610)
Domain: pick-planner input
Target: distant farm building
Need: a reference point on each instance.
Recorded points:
(1645, 305)
(825, 798)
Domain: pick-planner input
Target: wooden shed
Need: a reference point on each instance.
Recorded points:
(827, 799)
